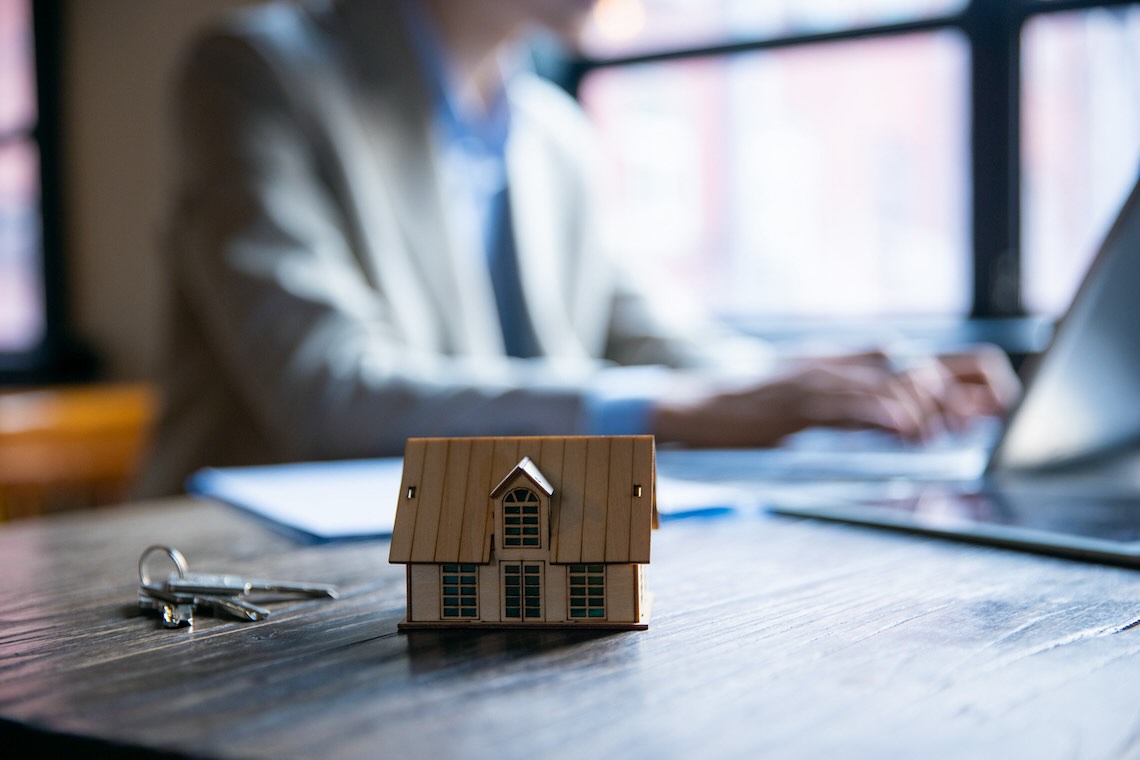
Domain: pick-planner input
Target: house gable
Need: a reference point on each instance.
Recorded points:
(527, 468)
(522, 512)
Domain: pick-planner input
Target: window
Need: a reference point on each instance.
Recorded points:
(22, 304)
(34, 345)
(587, 588)
(1080, 141)
(521, 519)
(869, 158)
(459, 588)
(522, 590)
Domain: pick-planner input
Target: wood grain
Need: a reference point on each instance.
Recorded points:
(596, 500)
(410, 490)
(428, 502)
(643, 507)
(455, 500)
(620, 501)
(770, 637)
(572, 492)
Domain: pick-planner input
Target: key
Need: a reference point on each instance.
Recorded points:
(234, 585)
(239, 608)
(183, 592)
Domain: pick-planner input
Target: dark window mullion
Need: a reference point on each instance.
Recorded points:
(994, 30)
(48, 26)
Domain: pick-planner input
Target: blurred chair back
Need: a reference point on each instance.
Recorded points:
(71, 447)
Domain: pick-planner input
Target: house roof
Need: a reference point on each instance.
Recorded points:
(603, 496)
(528, 468)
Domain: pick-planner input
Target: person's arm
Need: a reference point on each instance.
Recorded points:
(844, 391)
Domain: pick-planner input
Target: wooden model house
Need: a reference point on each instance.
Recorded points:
(531, 532)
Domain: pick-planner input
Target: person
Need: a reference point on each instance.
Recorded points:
(385, 226)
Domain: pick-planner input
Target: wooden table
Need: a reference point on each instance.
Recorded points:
(770, 637)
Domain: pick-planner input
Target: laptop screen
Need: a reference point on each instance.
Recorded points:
(1083, 397)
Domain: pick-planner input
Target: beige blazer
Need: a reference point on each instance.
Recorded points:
(322, 306)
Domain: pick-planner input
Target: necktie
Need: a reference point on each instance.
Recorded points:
(518, 333)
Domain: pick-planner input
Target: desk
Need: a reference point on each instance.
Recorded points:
(770, 637)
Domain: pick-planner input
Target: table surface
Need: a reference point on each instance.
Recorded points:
(770, 636)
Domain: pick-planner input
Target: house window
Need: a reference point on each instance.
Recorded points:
(520, 519)
(522, 591)
(460, 596)
(587, 591)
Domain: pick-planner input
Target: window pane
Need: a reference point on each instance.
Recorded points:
(21, 283)
(628, 26)
(828, 180)
(17, 67)
(1080, 143)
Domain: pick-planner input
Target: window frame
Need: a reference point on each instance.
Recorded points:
(461, 573)
(992, 30)
(530, 508)
(592, 595)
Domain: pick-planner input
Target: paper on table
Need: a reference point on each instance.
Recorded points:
(327, 501)
(322, 501)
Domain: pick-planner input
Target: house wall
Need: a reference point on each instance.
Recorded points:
(624, 586)
(556, 593)
(490, 602)
(424, 601)
(623, 592)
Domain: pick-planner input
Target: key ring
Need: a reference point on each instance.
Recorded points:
(176, 556)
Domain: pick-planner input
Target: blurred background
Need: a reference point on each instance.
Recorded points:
(937, 168)
(905, 161)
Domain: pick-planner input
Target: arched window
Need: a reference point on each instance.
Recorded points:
(521, 519)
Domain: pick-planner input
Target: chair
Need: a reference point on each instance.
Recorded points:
(71, 447)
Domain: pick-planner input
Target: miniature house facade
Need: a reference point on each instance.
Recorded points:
(529, 532)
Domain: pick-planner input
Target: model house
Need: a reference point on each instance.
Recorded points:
(506, 532)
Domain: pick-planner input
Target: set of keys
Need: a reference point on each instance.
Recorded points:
(183, 593)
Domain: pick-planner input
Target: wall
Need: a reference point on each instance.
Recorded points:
(121, 55)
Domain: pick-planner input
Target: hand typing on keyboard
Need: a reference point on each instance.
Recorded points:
(918, 400)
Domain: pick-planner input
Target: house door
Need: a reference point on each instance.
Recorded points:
(522, 591)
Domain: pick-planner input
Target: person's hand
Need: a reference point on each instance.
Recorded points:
(849, 391)
(983, 382)
(949, 388)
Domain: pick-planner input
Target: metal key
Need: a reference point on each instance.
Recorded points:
(239, 608)
(235, 585)
(178, 597)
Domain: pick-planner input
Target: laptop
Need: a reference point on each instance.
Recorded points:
(1064, 474)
